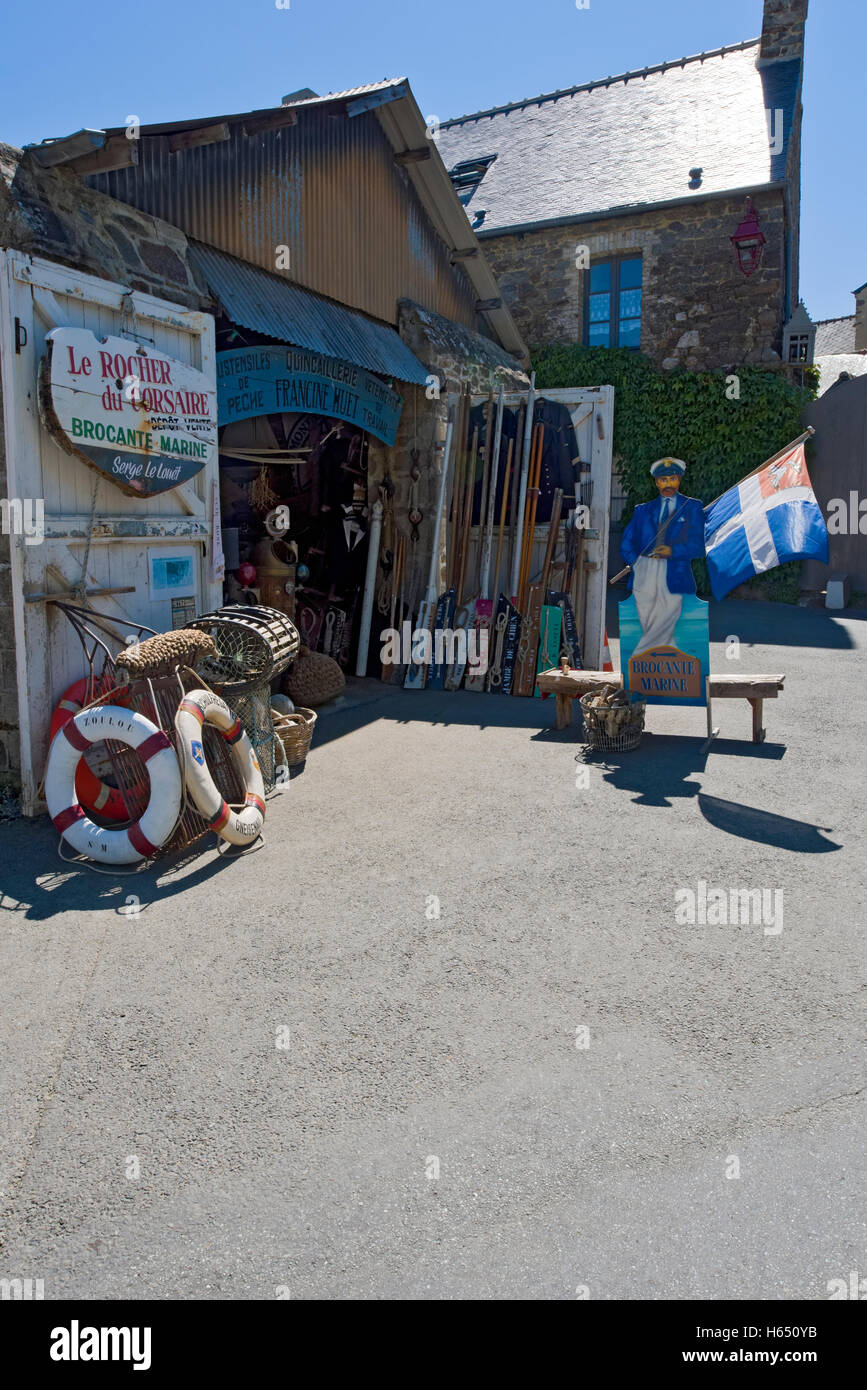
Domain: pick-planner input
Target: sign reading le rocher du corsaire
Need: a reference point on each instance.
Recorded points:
(142, 419)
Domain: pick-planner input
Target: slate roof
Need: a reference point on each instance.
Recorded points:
(629, 140)
(834, 335)
(830, 367)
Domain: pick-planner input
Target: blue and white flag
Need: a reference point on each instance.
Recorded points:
(768, 519)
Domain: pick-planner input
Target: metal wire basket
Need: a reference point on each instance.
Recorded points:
(253, 707)
(598, 722)
(254, 644)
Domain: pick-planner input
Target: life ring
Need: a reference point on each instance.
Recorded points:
(93, 794)
(238, 827)
(144, 837)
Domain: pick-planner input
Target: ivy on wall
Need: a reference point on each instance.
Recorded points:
(688, 414)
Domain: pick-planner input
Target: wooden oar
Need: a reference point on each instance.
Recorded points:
(503, 505)
(457, 498)
(483, 496)
(530, 525)
(522, 490)
(467, 517)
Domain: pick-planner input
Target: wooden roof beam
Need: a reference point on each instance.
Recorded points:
(204, 135)
(118, 152)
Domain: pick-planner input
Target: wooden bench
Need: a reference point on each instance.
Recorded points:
(567, 686)
(755, 689)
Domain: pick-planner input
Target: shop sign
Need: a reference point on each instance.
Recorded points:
(140, 418)
(674, 671)
(265, 380)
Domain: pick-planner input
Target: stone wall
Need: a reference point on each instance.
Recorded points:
(51, 213)
(861, 319)
(699, 310)
(793, 176)
(783, 30)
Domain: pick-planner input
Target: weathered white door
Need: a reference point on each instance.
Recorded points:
(94, 533)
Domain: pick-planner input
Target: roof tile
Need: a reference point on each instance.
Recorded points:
(630, 140)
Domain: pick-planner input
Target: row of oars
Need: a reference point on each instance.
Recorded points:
(478, 584)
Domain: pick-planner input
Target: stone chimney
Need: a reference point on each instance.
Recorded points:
(861, 319)
(783, 30)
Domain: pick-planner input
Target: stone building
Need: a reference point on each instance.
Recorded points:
(841, 344)
(607, 209)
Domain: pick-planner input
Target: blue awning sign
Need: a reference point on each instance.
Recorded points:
(264, 380)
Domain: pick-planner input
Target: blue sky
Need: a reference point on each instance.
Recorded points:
(94, 64)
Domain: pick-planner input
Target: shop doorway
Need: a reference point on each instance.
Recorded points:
(295, 517)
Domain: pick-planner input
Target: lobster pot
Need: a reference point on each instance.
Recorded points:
(253, 707)
(253, 645)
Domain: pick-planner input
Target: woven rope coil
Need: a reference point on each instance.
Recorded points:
(161, 654)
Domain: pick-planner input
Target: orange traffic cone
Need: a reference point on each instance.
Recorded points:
(607, 663)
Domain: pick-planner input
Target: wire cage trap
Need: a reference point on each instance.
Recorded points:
(253, 645)
(253, 707)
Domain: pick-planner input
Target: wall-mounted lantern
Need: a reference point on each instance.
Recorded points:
(748, 240)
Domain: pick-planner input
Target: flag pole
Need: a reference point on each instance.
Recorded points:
(778, 455)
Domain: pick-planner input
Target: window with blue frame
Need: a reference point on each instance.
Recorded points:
(613, 303)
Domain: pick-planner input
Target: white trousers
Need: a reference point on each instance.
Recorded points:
(658, 608)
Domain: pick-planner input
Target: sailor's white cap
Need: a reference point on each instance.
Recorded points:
(667, 465)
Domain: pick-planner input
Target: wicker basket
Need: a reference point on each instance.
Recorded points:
(295, 732)
(596, 725)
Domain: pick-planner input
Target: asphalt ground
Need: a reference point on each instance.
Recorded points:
(286, 1075)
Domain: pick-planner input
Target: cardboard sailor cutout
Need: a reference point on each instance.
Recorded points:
(663, 625)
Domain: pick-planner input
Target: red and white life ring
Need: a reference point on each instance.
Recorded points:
(135, 842)
(238, 827)
(93, 794)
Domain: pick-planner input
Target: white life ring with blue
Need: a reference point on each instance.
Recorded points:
(238, 827)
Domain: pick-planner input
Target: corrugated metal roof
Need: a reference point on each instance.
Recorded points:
(350, 93)
(388, 85)
(330, 191)
(284, 311)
